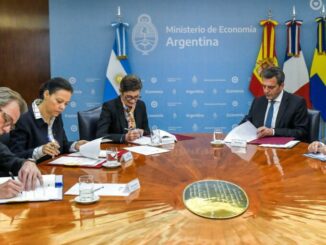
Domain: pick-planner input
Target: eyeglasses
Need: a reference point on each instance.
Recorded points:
(8, 120)
(130, 98)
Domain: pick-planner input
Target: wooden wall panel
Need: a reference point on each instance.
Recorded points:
(24, 45)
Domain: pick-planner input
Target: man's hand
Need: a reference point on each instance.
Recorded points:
(10, 188)
(263, 132)
(317, 146)
(29, 174)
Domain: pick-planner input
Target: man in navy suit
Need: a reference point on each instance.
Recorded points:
(278, 113)
(124, 118)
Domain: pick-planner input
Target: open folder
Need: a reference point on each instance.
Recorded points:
(51, 190)
(87, 157)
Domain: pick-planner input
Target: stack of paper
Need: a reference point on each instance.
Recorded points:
(51, 190)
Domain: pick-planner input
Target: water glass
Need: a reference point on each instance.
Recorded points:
(155, 136)
(86, 185)
(218, 135)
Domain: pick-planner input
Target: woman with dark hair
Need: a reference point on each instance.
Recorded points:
(39, 133)
(124, 118)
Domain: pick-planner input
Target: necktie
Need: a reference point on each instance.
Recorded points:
(270, 112)
(131, 118)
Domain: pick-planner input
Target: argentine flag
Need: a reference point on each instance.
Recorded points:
(118, 65)
(295, 68)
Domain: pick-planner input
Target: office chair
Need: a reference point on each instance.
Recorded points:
(314, 123)
(87, 121)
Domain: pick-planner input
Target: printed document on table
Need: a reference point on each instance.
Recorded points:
(245, 131)
(51, 190)
(105, 189)
(146, 150)
(77, 161)
(319, 156)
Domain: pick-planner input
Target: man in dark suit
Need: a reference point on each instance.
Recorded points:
(11, 106)
(124, 118)
(278, 113)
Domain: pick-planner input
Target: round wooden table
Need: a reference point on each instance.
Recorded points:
(286, 191)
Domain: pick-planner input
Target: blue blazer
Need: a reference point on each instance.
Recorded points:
(30, 133)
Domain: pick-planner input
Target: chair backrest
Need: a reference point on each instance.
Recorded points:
(314, 125)
(87, 121)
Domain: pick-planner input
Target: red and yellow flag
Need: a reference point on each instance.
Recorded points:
(266, 56)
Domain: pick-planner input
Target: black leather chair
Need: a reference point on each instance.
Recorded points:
(314, 125)
(87, 121)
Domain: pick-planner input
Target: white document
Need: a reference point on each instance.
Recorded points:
(76, 161)
(246, 131)
(109, 189)
(319, 156)
(288, 145)
(51, 190)
(144, 140)
(146, 150)
(91, 149)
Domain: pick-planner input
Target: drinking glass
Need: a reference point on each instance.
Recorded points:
(218, 136)
(155, 136)
(86, 185)
(112, 155)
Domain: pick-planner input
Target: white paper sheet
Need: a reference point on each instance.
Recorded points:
(246, 131)
(146, 150)
(105, 189)
(76, 161)
(91, 149)
(319, 156)
(49, 190)
(288, 145)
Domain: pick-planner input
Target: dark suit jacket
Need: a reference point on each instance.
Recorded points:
(292, 118)
(8, 161)
(112, 122)
(31, 133)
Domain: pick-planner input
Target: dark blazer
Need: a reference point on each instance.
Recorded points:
(8, 161)
(292, 118)
(112, 122)
(30, 133)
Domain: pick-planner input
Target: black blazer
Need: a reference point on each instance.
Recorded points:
(292, 118)
(31, 133)
(8, 161)
(112, 122)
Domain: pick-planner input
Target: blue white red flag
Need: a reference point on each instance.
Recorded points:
(294, 67)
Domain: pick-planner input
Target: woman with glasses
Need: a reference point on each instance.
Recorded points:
(124, 118)
(39, 133)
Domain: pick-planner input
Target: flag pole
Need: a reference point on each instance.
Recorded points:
(293, 13)
(119, 15)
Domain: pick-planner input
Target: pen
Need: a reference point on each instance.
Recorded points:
(98, 189)
(11, 175)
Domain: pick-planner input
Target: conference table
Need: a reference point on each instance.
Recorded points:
(286, 192)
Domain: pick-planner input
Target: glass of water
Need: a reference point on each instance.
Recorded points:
(155, 136)
(86, 185)
(218, 136)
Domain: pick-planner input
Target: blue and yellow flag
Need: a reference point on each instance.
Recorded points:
(318, 70)
(118, 65)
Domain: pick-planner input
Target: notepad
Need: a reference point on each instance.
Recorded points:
(51, 190)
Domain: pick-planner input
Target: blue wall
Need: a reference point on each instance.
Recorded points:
(187, 88)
